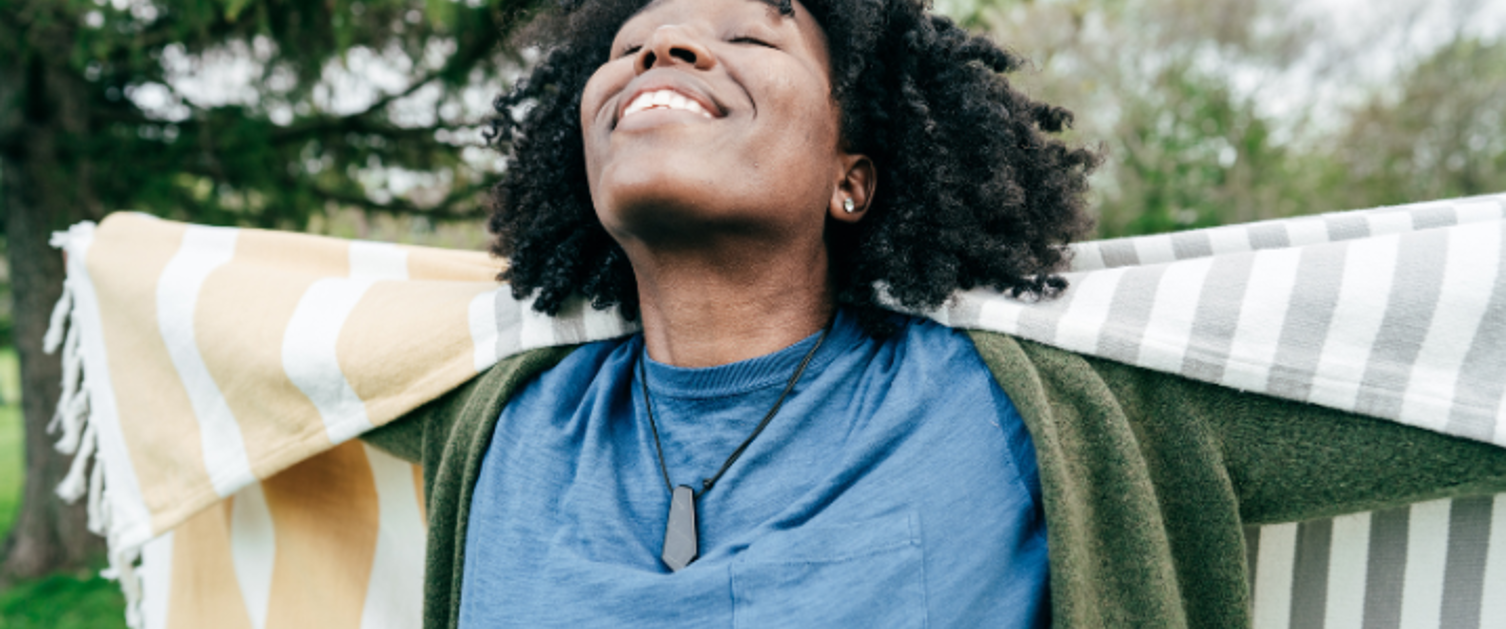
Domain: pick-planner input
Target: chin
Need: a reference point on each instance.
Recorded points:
(655, 219)
(630, 194)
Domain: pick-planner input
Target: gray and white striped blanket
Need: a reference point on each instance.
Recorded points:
(1397, 313)
(1433, 564)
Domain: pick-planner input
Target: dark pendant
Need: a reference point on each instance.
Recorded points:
(680, 544)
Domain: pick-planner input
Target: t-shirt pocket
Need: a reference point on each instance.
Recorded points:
(863, 574)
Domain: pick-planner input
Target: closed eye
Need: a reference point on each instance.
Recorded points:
(630, 50)
(754, 41)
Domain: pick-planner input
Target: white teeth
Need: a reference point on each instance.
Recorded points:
(668, 99)
(644, 101)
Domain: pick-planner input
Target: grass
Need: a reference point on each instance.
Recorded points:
(78, 600)
(12, 464)
(63, 601)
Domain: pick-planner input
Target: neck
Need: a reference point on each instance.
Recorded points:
(703, 310)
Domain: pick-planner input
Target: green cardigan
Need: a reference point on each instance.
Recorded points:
(1148, 478)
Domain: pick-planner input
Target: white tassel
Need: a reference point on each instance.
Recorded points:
(123, 569)
(71, 411)
(59, 240)
(79, 408)
(59, 316)
(99, 512)
(73, 485)
(73, 361)
(106, 512)
(72, 373)
(73, 416)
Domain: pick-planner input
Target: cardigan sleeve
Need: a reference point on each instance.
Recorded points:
(1149, 479)
(1289, 461)
(404, 436)
(450, 437)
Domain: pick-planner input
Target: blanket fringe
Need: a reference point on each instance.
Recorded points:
(73, 405)
(55, 324)
(80, 439)
(74, 484)
(123, 571)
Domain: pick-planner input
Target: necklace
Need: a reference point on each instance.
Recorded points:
(681, 543)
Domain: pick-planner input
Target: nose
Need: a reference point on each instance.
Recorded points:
(672, 45)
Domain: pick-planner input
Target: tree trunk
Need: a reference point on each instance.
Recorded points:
(44, 190)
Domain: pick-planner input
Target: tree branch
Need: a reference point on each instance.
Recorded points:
(401, 207)
(463, 58)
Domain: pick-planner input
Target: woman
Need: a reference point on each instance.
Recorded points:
(746, 172)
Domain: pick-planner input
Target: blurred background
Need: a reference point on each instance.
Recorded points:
(362, 119)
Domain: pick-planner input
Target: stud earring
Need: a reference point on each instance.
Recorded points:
(848, 206)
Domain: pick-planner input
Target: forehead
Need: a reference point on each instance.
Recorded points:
(675, 7)
(719, 12)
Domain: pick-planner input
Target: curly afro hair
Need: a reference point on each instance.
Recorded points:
(973, 191)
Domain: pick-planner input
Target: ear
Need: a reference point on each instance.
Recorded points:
(855, 181)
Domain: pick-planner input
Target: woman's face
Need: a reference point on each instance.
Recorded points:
(713, 117)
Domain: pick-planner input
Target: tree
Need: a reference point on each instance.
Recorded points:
(1157, 86)
(1437, 131)
(372, 104)
(1222, 111)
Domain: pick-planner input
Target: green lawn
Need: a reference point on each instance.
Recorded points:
(11, 462)
(10, 465)
(79, 600)
(63, 601)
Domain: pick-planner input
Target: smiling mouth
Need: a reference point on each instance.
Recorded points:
(664, 99)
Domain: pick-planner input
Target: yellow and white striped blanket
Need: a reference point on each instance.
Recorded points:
(217, 376)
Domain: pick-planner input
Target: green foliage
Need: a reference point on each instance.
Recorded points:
(1438, 131)
(268, 112)
(1179, 95)
(82, 600)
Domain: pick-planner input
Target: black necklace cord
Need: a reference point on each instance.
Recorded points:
(649, 404)
(707, 484)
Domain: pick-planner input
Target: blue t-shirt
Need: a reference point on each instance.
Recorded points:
(896, 487)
